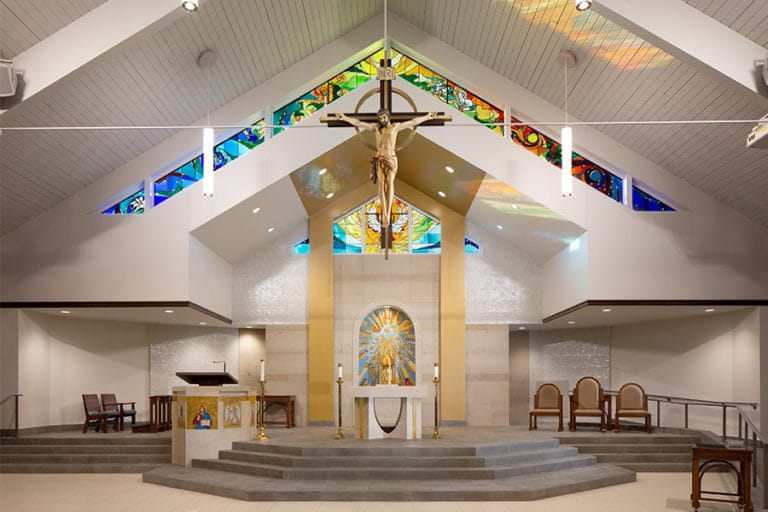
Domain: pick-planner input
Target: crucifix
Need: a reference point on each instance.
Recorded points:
(386, 124)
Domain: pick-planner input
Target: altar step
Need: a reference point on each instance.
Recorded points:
(83, 453)
(641, 452)
(365, 471)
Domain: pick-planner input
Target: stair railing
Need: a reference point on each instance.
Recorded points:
(749, 418)
(686, 402)
(16, 397)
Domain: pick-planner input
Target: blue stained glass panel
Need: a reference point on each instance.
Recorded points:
(470, 246)
(642, 201)
(425, 234)
(133, 204)
(302, 247)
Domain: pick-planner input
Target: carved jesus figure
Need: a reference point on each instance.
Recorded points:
(384, 162)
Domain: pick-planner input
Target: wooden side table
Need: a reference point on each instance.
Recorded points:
(706, 458)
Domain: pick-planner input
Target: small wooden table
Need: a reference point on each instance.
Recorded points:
(706, 458)
(287, 403)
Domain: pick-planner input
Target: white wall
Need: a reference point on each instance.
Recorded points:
(270, 287)
(177, 348)
(502, 283)
(690, 358)
(9, 364)
(487, 375)
(287, 368)
(60, 358)
(210, 279)
(746, 356)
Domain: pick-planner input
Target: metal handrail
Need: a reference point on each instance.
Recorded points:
(659, 399)
(745, 419)
(16, 397)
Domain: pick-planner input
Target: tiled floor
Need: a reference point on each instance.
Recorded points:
(653, 492)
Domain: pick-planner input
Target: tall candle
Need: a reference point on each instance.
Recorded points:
(437, 371)
(261, 374)
(340, 370)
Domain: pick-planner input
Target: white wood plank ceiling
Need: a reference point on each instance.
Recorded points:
(153, 79)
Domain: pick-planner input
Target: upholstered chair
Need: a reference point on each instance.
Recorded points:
(548, 401)
(632, 402)
(588, 400)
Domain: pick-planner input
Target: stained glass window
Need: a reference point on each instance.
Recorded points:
(427, 80)
(413, 231)
(301, 247)
(387, 342)
(470, 246)
(133, 204)
(645, 202)
(589, 172)
(191, 172)
(449, 92)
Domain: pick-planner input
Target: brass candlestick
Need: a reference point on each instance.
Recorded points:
(436, 430)
(261, 436)
(339, 434)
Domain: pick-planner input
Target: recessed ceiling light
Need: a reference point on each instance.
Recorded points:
(571, 322)
(515, 207)
(329, 195)
(606, 310)
(249, 327)
(709, 310)
(322, 171)
(203, 323)
(521, 328)
(65, 311)
(449, 169)
(256, 210)
(499, 226)
(441, 193)
(169, 311)
(583, 5)
(189, 5)
(271, 229)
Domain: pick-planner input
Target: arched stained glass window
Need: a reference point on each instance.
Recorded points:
(413, 231)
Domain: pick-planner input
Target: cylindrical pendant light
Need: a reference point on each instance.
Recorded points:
(208, 162)
(566, 181)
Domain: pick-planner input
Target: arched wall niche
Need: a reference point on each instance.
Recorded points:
(381, 328)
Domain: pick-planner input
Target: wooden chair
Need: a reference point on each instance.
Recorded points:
(588, 400)
(632, 402)
(94, 412)
(548, 401)
(110, 404)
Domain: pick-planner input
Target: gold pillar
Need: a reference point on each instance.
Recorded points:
(321, 327)
(453, 386)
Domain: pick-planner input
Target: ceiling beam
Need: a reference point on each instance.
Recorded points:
(693, 37)
(85, 39)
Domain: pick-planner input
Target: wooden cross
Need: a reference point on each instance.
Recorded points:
(385, 74)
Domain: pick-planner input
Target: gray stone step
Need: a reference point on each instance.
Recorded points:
(101, 467)
(396, 451)
(84, 448)
(622, 458)
(657, 467)
(292, 461)
(633, 448)
(80, 458)
(89, 439)
(393, 469)
(627, 438)
(255, 488)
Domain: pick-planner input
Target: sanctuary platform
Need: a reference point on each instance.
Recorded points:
(467, 464)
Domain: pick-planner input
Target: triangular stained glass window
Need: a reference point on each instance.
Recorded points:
(413, 231)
